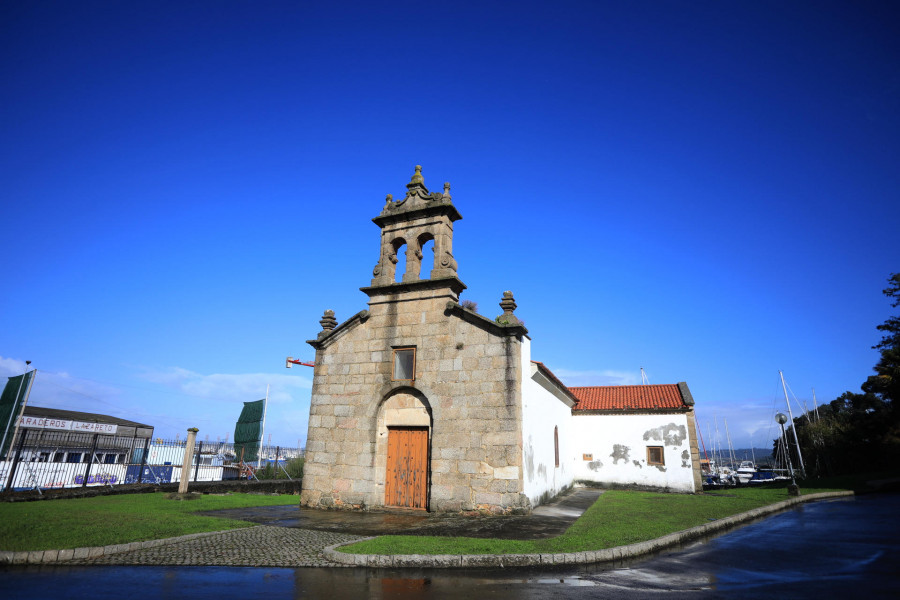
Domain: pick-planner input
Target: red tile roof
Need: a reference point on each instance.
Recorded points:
(629, 397)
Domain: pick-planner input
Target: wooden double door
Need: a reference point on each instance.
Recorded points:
(406, 480)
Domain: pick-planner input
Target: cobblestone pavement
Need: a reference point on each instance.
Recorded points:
(261, 546)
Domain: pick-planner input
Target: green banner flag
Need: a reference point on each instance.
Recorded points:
(11, 401)
(247, 431)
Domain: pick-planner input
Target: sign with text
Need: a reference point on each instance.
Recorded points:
(67, 425)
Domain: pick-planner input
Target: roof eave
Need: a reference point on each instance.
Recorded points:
(630, 411)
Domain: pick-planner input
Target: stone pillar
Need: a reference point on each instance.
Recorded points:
(696, 473)
(383, 273)
(413, 260)
(442, 243)
(186, 464)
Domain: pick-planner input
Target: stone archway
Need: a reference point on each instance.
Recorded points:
(402, 453)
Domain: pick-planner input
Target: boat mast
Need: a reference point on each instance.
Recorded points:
(703, 445)
(793, 426)
(718, 445)
(730, 447)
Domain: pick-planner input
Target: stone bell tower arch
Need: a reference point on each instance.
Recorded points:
(419, 218)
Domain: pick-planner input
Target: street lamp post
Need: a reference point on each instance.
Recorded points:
(793, 489)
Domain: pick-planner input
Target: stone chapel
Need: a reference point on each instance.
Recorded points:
(420, 403)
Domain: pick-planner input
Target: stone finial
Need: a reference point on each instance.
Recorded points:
(508, 304)
(446, 189)
(388, 199)
(328, 321)
(417, 179)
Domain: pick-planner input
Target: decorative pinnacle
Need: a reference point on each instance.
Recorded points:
(417, 178)
(328, 321)
(447, 189)
(508, 304)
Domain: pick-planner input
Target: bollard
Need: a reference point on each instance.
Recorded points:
(186, 465)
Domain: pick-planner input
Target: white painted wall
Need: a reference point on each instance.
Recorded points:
(609, 438)
(541, 412)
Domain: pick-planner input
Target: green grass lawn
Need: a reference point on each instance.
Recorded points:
(103, 520)
(617, 518)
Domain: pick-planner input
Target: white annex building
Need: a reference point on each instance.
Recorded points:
(419, 402)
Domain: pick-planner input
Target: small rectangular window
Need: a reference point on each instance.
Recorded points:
(655, 455)
(404, 364)
(73, 457)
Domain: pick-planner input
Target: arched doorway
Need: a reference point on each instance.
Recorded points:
(404, 432)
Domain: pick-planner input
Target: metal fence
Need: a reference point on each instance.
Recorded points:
(44, 459)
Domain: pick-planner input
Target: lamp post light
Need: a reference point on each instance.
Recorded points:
(793, 489)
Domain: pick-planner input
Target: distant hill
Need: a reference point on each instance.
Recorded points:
(761, 455)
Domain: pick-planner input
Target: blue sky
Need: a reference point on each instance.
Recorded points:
(705, 189)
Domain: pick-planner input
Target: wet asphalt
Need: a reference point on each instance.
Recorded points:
(545, 521)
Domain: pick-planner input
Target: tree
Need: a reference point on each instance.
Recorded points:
(860, 432)
(886, 381)
(293, 467)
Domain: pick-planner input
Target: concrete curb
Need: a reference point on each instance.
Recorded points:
(569, 558)
(43, 557)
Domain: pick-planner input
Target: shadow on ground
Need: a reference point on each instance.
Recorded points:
(545, 521)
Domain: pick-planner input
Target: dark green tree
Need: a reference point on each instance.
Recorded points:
(294, 468)
(886, 381)
(860, 432)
